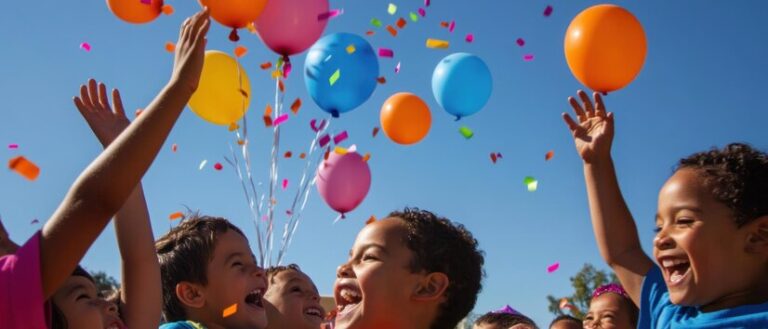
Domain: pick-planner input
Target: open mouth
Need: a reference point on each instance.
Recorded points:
(254, 298)
(348, 297)
(315, 312)
(116, 325)
(675, 269)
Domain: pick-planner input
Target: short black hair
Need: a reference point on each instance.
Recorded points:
(505, 320)
(273, 271)
(565, 317)
(440, 245)
(184, 253)
(737, 176)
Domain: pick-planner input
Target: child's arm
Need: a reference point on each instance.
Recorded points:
(106, 183)
(615, 230)
(141, 292)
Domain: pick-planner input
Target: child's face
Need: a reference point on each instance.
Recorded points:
(293, 302)
(496, 326)
(83, 307)
(374, 288)
(234, 278)
(566, 324)
(699, 248)
(608, 311)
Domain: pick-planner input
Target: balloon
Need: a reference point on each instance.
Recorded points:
(405, 118)
(605, 47)
(235, 13)
(462, 84)
(134, 11)
(343, 181)
(340, 72)
(289, 27)
(219, 98)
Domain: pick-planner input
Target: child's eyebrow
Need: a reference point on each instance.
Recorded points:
(76, 288)
(232, 255)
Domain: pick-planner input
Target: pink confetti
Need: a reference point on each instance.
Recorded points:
(340, 137)
(452, 26)
(13, 146)
(218, 166)
(470, 37)
(528, 57)
(553, 267)
(548, 11)
(331, 14)
(286, 70)
(314, 126)
(386, 52)
(426, 3)
(397, 68)
(285, 184)
(325, 140)
(85, 46)
(281, 119)
(520, 42)
(422, 12)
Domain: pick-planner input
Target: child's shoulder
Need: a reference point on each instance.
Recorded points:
(182, 325)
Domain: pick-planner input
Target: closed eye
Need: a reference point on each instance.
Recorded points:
(684, 221)
(82, 296)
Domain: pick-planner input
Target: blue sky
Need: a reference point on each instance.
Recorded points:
(701, 86)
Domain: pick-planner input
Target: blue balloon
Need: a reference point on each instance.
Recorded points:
(357, 66)
(462, 84)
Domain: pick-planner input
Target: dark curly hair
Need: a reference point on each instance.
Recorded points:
(565, 317)
(273, 271)
(439, 245)
(737, 176)
(184, 254)
(505, 320)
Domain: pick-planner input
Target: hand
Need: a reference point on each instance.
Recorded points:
(106, 123)
(594, 132)
(190, 51)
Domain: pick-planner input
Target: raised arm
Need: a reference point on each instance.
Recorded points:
(103, 187)
(614, 228)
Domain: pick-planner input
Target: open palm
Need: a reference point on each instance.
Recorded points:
(107, 123)
(593, 134)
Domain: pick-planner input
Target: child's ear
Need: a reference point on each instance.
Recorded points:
(190, 294)
(431, 287)
(757, 236)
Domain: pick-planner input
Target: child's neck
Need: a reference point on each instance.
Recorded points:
(757, 294)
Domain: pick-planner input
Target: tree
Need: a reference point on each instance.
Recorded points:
(104, 282)
(584, 283)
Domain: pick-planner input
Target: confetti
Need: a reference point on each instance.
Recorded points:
(549, 155)
(397, 68)
(167, 10)
(528, 57)
(426, 3)
(170, 47)
(470, 37)
(392, 9)
(315, 127)
(251, 27)
(552, 268)
(422, 12)
(176, 215)
(350, 49)
(375, 131)
(268, 110)
(285, 184)
(240, 142)
(466, 132)
(296, 106)
(302, 156)
(289, 212)
(281, 86)
(335, 77)
(392, 30)
(267, 121)
(499, 155)
(229, 311)
(327, 154)
(548, 11)
(340, 150)
(233, 126)
(494, 157)
(218, 166)
(366, 157)
(370, 220)
(386, 52)
(280, 120)
(340, 137)
(13, 146)
(85, 46)
(520, 42)
(276, 74)
(443, 24)
(174, 147)
(331, 14)
(202, 165)
(401, 23)
(35, 221)
(452, 26)
(531, 183)
(24, 167)
(381, 80)
(324, 140)
(240, 51)
(265, 65)
(414, 17)
(436, 43)
(369, 33)
(287, 70)
(288, 155)
(375, 22)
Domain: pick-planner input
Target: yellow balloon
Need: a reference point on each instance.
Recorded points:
(224, 92)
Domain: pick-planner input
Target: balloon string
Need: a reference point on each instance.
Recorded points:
(273, 172)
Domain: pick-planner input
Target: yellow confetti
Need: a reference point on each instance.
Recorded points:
(276, 74)
(350, 49)
(340, 150)
(436, 43)
(229, 311)
(392, 9)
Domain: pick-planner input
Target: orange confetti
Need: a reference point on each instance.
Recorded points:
(381, 80)
(369, 33)
(327, 154)
(288, 154)
(375, 131)
(240, 51)
(366, 157)
(392, 30)
(176, 215)
(296, 106)
(443, 24)
(281, 86)
(233, 126)
(265, 65)
(370, 220)
(549, 155)
(229, 311)
(240, 142)
(167, 9)
(268, 111)
(24, 167)
(139, 112)
(267, 121)
(302, 156)
(174, 147)
(170, 47)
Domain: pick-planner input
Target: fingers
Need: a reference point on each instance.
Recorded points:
(587, 103)
(84, 98)
(103, 100)
(201, 33)
(80, 106)
(599, 105)
(119, 109)
(93, 92)
(577, 108)
(572, 125)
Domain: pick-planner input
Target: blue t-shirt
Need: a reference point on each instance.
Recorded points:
(657, 312)
(182, 325)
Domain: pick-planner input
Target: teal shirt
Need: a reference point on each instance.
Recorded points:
(182, 325)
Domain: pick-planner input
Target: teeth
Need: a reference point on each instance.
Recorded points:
(314, 311)
(350, 296)
(673, 262)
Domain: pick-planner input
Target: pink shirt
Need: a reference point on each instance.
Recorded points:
(21, 288)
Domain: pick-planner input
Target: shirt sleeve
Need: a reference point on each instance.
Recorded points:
(653, 298)
(22, 300)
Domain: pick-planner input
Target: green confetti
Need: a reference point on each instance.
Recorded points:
(335, 77)
(466, 132)
(532, 183)
(375, 22)
(392, 9)
(414, 17)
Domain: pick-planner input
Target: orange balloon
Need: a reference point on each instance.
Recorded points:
(605, 47)
(405, 118)
(235, 13)
(134, 11)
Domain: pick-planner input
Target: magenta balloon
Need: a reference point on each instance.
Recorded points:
(289, 27)
(343, 181)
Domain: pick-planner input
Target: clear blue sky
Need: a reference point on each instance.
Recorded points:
(703, 84)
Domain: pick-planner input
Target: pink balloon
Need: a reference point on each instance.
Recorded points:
(343, 181)
(289, 27)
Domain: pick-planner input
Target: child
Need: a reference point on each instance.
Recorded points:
(611, 308)
(39, 268)
(506, 318)
(711, 241)
(410, 270)
(210, 277)
(565, 322)
(292, 299)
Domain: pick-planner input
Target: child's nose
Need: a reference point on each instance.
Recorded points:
(111, 308)
(662, 241)
(343, 271)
